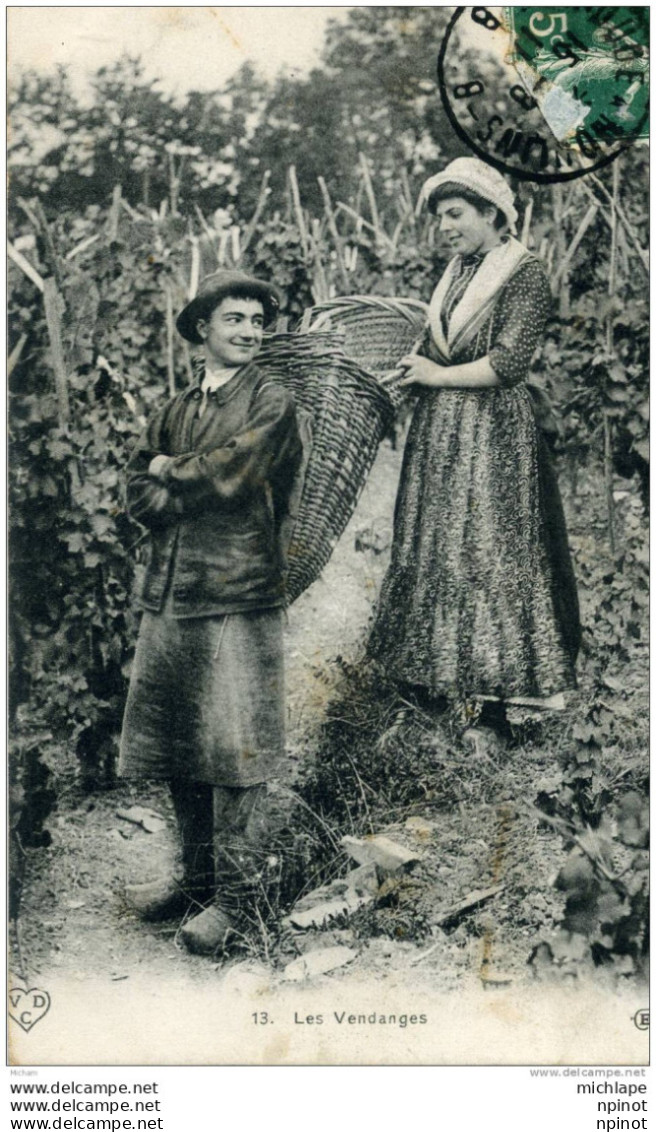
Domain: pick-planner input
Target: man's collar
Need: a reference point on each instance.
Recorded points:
(216, 379)
(250, 369)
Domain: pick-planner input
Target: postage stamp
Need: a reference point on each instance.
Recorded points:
(574, 86)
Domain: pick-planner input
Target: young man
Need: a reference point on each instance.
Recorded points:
(210, 478)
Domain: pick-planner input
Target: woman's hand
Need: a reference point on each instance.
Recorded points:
(418, 370)
(158, 466)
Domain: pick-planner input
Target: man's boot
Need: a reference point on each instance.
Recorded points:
(240, 842)
(169, 896)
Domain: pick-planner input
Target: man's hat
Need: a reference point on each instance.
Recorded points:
(217, 286)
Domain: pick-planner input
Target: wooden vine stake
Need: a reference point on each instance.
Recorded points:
(298, 212)
(565, 263)
(263, 196)
(13, 359)
(642, 253)
(608, 424)
(319, 285)
(194, 274)
(54, 308)
(337, 239)
(371, 198)
(25, 265)
(409, 207)
(526, 226)
(170, 367)
(114, 213)
(561, 290)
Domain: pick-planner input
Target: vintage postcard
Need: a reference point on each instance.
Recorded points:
(328, 546)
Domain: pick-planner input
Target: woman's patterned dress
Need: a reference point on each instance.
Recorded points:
(480, 596)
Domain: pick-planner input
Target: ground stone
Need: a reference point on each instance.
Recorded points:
(422, 829)
(381, 851)
(247, 978)
(364, 879)
(149, 820)
(323, 913)
(318, 963)
(338, 898)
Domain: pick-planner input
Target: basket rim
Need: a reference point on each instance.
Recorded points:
(371, 300)
(368, 305)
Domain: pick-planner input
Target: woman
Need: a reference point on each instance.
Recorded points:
(479, 602)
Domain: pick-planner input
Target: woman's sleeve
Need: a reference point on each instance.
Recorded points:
(519, 320)
(268, 443)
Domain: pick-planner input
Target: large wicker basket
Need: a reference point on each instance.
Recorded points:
(344, 413)
(376, 331)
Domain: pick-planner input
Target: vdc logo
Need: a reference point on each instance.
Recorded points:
(27, 1007)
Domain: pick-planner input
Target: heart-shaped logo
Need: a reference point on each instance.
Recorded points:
(27, 1007)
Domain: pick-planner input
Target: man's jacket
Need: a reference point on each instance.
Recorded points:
(215, 518)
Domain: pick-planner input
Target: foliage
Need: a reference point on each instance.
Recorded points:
(67, 153)
(598, 799)
(72, 604)
(352, 778)
(616, 590)
(374, 94)
(278, 255)
(190, 174)
(604, 878)
(592, 382)
(31, 797)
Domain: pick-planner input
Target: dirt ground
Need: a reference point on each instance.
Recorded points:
(74, 920)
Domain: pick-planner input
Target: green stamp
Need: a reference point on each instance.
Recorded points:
(588, 71)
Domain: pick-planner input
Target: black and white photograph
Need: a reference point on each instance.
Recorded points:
(328, 496)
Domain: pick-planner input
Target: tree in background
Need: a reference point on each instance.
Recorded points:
(374, 94)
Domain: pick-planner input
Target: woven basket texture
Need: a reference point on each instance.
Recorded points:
(349, 413)
(377, 331)
(333, 366)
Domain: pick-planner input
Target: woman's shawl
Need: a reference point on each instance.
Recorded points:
(470, 314)
(476, 304)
